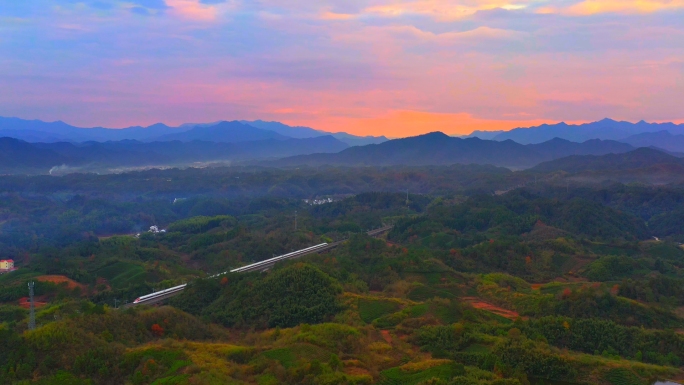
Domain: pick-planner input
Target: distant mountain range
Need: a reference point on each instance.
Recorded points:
(39, 131)
(34, 146)
(606, 129)
(430, 149)
(223, 131)
(661, 139)
(643, 165)
(306, 132)
(19, 157)
(439, 149)
(639, 158)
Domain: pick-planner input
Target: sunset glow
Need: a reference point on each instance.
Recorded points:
(368, 67)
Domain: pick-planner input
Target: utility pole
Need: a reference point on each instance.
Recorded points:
(295, 220)
(407, 201)
(32, 316)
(115, 302)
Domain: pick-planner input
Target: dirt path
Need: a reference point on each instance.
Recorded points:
(477, 303)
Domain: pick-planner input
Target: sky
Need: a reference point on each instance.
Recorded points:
(368, 67)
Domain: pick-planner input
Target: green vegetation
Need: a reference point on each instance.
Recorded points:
(121, 274)
(290, 296)
(405, 376)
(200, 224)
(370, 310)
(622, 377)
(537, 284)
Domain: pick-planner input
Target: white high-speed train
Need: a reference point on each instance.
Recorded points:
(258, 265)
(254, 266)
(160, 293)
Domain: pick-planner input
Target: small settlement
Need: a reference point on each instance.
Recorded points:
(6, 265)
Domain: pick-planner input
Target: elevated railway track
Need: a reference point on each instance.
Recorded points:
(160, 296)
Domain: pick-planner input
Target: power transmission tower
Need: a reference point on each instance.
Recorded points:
(32, 317)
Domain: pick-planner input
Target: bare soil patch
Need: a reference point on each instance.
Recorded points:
(356, 371)
(60, 279)
(26, 304)
(386, 336)
(477, 303)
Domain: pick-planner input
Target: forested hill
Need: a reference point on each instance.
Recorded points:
(510, 289)
(19, 155)
(439, 149)
(637, 159)
(470, 286)
(660, 139)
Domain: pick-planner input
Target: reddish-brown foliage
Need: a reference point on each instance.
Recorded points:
(157, 330)
(24, 302)
(60, 279)
(566, 293)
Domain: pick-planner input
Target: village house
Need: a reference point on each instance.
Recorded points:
(6, 264)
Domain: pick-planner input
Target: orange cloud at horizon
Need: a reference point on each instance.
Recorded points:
(405, 123)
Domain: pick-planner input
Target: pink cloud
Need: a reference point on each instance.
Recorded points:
(590, 7)
(442, 10)
(193, 10)
(368, 67)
